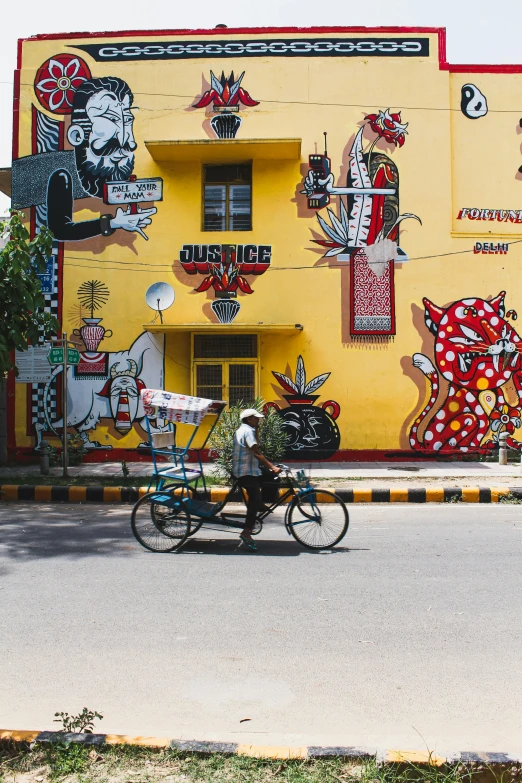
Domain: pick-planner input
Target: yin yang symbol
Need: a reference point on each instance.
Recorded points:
(473, 103)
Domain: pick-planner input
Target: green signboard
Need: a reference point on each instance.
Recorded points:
(56, 356)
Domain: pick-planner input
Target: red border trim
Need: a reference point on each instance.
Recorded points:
(16, 113)
(11, 386)
(26, 455)
(233, 31)
(225, 31)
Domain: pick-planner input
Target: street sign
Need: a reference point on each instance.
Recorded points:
(32, 365)
(56, 356)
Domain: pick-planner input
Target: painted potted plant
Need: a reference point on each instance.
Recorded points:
(312, 430)
(225, 95)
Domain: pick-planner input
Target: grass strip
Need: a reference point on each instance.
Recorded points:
(75, 763)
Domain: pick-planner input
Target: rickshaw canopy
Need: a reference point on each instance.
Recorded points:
(178, 408)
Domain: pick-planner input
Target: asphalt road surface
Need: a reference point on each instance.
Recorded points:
(407, 635)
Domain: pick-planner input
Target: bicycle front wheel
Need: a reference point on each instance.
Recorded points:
(318, 526)
(157, 526)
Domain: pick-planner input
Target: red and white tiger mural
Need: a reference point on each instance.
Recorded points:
(478, 351)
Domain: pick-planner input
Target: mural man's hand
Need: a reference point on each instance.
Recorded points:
(129, 222)
(310, 183)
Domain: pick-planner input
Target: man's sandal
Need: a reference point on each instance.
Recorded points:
(248, 541)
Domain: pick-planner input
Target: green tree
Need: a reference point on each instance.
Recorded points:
(22, 317)
(272, 437)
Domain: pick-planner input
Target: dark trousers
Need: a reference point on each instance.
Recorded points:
(252, 485)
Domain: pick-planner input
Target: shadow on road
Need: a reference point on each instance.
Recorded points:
(37, 531)
(265, 548)
(29, 532)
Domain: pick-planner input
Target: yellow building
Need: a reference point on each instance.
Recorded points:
(320, 217)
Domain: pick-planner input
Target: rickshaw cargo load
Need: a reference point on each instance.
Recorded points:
(179, 408)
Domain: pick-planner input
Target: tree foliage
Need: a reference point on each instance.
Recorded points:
(22, 317)
(271, 435)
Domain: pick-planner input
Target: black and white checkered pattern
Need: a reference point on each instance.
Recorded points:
(47, 140)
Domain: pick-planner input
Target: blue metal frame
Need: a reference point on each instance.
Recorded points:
(180, 475)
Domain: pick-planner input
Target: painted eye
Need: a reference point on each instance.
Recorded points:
(461, 340)
(470, 333)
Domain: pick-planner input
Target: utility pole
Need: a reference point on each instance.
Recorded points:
(64, 407)
(62, 354)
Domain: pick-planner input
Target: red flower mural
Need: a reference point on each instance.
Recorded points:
(225, 277)
(505, 418)
(56, 81)
(388, 126)
(225, 92)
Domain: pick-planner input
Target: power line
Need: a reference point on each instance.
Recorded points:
(96, 263)
(290, 102)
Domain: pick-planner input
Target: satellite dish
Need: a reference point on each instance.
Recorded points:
(160, 296)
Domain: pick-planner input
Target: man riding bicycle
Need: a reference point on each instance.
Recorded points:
(246, 461)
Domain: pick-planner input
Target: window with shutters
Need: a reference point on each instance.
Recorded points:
(226, 367)
(227, 197)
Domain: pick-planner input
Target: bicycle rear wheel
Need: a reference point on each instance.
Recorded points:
(318, 526)
(158, 526)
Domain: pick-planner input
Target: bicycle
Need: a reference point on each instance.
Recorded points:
(165, 517)
(163, 520)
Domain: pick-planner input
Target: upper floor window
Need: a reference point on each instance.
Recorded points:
(227, 197)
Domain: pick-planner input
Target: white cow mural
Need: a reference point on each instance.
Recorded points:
(115, 395)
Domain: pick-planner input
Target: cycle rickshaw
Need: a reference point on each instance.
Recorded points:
(164, 518)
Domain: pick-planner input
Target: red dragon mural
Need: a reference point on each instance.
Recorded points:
(478, 351)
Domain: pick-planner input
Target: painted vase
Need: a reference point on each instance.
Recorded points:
(225, 125)
(225, 309)
(92, 333)
(311, 429)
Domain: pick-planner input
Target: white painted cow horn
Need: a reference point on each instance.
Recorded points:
(132, 369)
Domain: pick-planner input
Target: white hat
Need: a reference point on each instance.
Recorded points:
(250, 412)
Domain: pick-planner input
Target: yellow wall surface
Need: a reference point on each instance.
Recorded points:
(448, 162)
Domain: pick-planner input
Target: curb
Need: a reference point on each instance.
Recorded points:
(99, 494)
(279, 752)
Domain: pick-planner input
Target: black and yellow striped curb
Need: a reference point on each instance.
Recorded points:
(280, 752)
(99, 494)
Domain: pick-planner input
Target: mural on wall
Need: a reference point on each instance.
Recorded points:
(104, 385)
(473, 103)
(366, 230)
(105, 388)
(101, 133)
(92, 295)
(226, 96)
(498, 215)
(478, 352)
(53, 181)
(225, 268)
(312, 430)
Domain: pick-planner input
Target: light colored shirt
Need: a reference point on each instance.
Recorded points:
(244, 462)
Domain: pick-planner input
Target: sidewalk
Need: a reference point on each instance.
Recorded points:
(341, 474)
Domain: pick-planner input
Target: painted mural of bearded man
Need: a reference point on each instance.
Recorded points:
(101, 133)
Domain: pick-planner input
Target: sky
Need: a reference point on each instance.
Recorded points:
(478, 31)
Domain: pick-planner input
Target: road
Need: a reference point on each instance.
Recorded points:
(407, 635)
